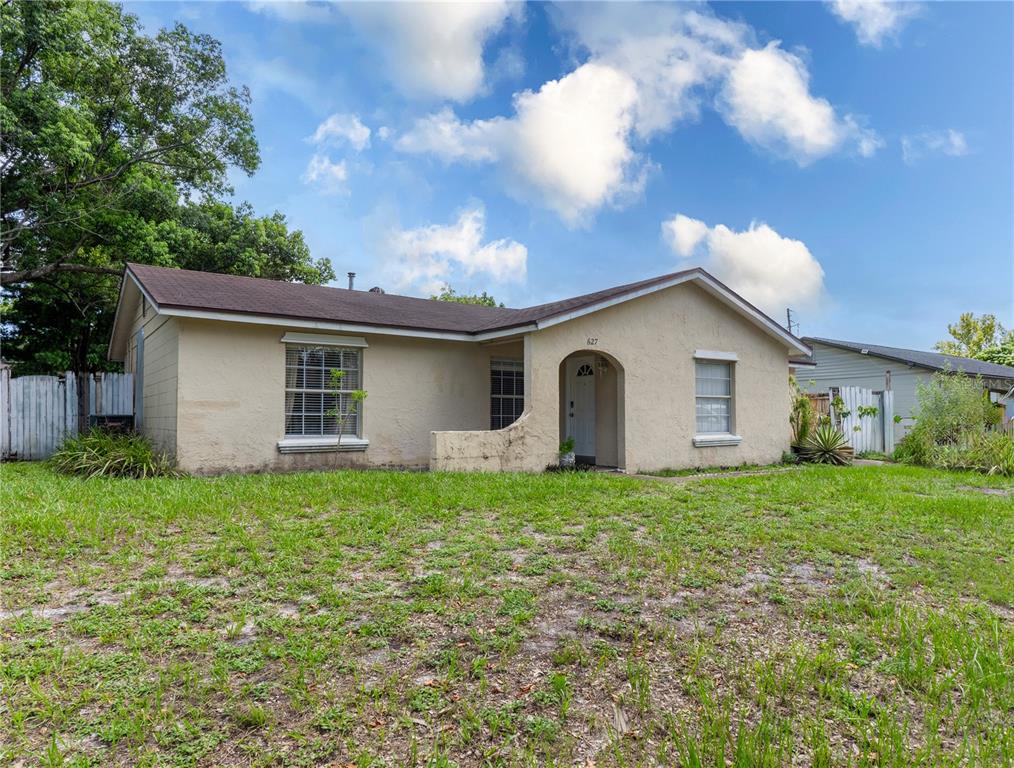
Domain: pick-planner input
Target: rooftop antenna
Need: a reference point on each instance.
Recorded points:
(352, 279)
(790, 324)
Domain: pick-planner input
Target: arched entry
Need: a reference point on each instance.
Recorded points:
(591, 407)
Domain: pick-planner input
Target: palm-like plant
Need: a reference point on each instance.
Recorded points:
(826, 446)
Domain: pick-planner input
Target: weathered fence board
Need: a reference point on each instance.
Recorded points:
(37, 413)
(867, 419)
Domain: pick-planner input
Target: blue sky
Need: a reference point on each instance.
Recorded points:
(851, 160)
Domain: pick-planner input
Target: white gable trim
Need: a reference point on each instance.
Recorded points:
(325, 325)
(713, 287)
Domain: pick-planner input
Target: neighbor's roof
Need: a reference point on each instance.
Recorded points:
(248, 299)
(934, 361)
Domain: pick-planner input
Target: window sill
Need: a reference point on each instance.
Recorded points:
(707, 441)
(321, 444)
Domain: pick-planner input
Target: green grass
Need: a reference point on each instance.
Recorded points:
(819, 616)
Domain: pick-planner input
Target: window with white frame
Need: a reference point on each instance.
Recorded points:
(506, 392)
(312, 403)
(714, 397)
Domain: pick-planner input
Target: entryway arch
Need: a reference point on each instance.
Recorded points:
(592, 407)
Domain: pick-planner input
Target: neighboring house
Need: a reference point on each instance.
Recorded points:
(675, 371)
(837, 364)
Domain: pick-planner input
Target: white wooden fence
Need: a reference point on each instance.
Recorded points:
(37, 413)
(864, 429)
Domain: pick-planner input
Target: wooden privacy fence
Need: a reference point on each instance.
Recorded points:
(37, 413)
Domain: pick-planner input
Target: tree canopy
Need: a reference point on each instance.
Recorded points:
(983, 338)
(449, 294)
(115, 147)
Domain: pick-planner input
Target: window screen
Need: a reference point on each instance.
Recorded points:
(507, 392)
(714, 397)
(311, 401)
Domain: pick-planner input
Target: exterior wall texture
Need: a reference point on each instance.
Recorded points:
(653, 339)
(232, 398)
(160, 376)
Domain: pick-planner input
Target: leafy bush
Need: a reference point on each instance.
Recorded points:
(951, 429)
(951, 406)
(915, 448)
(115, 455)
(825, 446)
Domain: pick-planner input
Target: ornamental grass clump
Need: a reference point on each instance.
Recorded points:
(100, 453)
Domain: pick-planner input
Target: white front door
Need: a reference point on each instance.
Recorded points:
(581, 404)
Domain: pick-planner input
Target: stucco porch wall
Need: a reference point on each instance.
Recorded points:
(232, 398)
(654, 339)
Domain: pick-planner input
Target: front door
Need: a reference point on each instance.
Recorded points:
(581, 406)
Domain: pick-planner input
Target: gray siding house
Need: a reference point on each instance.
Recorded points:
(836, 363)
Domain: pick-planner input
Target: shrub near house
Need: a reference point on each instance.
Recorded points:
(954, 429)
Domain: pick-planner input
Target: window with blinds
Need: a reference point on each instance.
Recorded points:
(507, 392)
(311, 402)
(714, 397)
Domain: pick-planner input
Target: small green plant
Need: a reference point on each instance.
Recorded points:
(114, 455)
(250, 717)
(355, 401)
(826, 446)
(567, 446)
(838, 406)
(802, 415)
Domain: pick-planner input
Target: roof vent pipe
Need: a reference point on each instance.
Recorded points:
(352, 279)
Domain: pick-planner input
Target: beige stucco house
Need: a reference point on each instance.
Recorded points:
(231, 372)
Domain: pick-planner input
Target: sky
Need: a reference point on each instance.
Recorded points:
(851, 160)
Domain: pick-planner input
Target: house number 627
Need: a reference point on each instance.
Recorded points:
(592, 341)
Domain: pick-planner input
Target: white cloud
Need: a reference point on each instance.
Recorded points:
(671, 53)
(444, 135)
(875, 20)
(433, 49)
(568, 143)
(679, 58)
(341, 127)
(766, 97)
(276, 75)
(328, 175)
(684, 234)
(428, 257)
(767, 269)
(292, 10)
(573, 143)
(949, 142)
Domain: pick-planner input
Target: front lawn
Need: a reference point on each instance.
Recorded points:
(819, 616)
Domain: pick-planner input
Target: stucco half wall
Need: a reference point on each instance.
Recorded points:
(230, 412)
(654, 339)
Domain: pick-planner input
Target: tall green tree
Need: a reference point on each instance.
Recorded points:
(449, 294)
(115, 147)
(971, 336)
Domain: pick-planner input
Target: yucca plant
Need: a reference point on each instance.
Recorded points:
(115, 455)
(826, 445)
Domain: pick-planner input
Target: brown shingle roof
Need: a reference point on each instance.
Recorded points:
(208, 291)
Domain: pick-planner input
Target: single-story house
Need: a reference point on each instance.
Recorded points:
(835, 364)
(232, 375)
